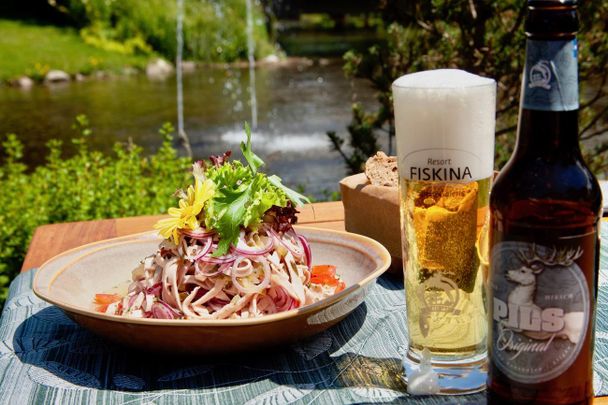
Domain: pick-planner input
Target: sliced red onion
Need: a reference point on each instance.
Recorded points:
(132, 299)
(291, 240)
(244, 249)
(162, 310)
(282, 300)
(155, 289)
(307, 251)
(285, 240)
(242, 271)
(199, 233)
(227, 259)
(256, 289)
(206, 248)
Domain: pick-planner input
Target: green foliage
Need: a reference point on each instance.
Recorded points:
(88, 185)
(214, 31)
(484, 38)
(33, 50)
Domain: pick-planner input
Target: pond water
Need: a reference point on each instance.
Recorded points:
(298, 102)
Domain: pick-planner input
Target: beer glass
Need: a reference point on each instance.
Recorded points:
(445, 123)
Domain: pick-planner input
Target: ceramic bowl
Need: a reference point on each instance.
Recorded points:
(72, 279)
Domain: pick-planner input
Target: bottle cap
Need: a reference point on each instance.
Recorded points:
(552, 19)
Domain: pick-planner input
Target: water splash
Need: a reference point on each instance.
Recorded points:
(251, 62)
(180, 88)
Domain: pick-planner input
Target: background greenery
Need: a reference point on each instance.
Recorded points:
(482, 37)
(88, 185)
(213, 30)
(80, 36)
(32, 50)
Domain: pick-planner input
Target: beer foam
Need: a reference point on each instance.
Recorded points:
(441, 78)
(444, 124)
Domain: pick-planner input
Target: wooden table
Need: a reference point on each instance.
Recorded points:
(50, 240)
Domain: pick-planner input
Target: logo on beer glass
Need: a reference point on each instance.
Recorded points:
(436, 294)
(540, 310)
(540, 75)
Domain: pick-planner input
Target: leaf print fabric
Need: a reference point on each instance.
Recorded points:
(44, 356)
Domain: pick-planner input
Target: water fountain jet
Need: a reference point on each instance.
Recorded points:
(181, 133)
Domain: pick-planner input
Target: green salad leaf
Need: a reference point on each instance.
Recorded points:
(296, 198)
(254, 160)
(242, 196)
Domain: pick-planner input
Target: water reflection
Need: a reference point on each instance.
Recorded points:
(297, 103)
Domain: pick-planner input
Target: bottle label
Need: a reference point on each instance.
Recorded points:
(551, 76)
(540, 308)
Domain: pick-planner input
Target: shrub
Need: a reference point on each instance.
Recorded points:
(88, 185)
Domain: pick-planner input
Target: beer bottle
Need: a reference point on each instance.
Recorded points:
(544, 242)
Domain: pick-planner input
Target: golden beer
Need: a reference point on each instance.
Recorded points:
(446, 227)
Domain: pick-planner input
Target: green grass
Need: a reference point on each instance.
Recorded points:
(33, 50)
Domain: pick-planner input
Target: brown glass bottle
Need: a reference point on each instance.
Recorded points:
(544, 242)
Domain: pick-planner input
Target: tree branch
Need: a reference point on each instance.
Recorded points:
(593, 121)
(599, 94)
(425, 26)
(506, 108)
(506, 130)
(593, 134)
(473, 10)
(601, 149)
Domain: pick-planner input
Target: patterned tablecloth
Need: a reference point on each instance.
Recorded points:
(47, 358)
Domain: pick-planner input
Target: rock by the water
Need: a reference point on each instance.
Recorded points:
(79, 77)
(102, 74)
(24, 82)
(56, 76)
(129, 71)
(270, 59)
(159, 69)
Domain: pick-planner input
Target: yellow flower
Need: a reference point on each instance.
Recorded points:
(200, 193)
(185, 216)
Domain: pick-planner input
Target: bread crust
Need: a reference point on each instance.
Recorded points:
(381, 170)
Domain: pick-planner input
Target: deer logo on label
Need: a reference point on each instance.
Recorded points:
(540, 309)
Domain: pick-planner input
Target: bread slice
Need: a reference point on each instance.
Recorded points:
(381, 170)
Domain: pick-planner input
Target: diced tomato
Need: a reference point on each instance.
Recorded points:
(324, 270)
(324, 279)
(106, 298)
(326, 274)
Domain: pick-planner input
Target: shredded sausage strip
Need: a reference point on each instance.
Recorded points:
(267, 272)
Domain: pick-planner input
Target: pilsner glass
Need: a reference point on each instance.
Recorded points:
(445, 123)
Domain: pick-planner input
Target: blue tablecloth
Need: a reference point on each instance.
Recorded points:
(47, 358)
